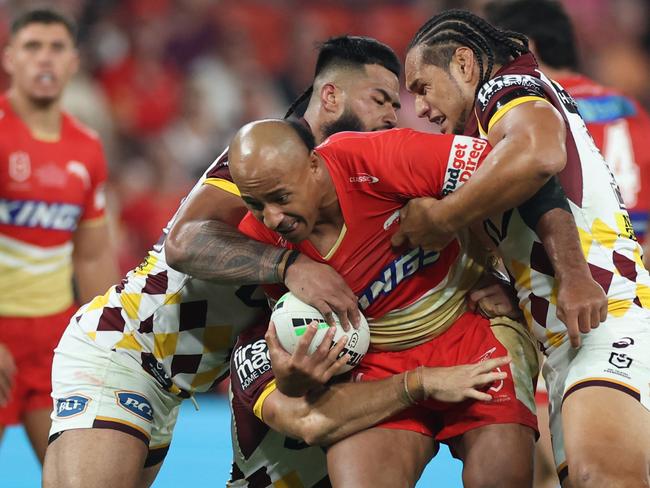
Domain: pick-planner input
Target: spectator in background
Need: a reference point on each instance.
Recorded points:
(52, 225)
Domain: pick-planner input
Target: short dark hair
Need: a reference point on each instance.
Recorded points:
(543, 21)
(350, 52)
(306, 135)
(44, 16)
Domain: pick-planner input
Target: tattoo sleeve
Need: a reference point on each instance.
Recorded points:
(216, 251)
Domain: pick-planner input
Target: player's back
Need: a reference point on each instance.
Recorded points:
(47, 189)
(620, 128)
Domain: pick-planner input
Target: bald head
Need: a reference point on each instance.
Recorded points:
(267, 147)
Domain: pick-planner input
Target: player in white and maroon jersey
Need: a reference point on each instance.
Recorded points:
(617, 122)
(492, 87)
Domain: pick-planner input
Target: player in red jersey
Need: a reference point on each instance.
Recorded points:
(618, 123)
(474, 78)
(52, 225)
(339, 204)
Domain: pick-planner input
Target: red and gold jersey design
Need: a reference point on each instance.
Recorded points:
(408, 295)
(47, 190)
(620, 127)
(608, 240)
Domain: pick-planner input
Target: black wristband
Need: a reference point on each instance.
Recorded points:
(293, 255)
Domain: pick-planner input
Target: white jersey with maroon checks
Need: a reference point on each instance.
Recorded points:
(180, 329)
(605, 229)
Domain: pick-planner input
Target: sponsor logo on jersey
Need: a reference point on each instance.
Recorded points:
(605, 108)
(71, 406)
(44, 215)
(492, 87)
(620, 360)
(463, 161)
(136, 404)
(623, 342)
(251, 361)
(363, 178)
(395, 273)
(20, 166)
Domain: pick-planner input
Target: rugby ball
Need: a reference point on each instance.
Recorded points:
(291, 317)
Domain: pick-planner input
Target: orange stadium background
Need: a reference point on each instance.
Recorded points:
(166, 83)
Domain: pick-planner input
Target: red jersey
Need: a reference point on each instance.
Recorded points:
(47, 189)
(619, 127)
(407, 295)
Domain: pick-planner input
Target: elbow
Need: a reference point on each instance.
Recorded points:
(552, 165)
(174, 255)
(316, 433)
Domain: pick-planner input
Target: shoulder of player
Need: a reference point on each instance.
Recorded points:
(358, 141)
(79, 130)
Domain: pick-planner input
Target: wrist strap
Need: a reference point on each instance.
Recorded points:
(291, 257)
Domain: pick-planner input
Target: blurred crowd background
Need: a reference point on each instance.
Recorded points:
(166, 83)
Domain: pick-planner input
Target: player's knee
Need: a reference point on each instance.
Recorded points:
(597, 475)
(509, 476)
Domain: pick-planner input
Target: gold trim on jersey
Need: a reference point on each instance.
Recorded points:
(432, 314)
(224, 185)
(509, 106)
(259, 404)
(337, 244)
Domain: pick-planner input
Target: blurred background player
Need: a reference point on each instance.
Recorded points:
(52, 223)
(618, 124)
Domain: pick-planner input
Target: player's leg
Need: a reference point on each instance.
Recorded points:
(496, 440)
(108, 412)
(496, 456)
(545, 474)
(600, 411)
(381, 457)
(37, 426)
(94, 458)
(607, 439)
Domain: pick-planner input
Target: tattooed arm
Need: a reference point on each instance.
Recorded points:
(204, 243)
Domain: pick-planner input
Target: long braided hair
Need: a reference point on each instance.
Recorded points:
(349, 51)
(445, 32)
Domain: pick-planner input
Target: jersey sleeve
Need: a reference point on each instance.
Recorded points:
(251, 377)
(406, 163)
(503, 93)
(95, 200)
(219, 175)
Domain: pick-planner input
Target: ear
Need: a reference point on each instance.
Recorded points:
(329, 97)
(464, 64)
(76, 62)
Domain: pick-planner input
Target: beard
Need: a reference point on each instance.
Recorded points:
(461, 123)
(348, 121)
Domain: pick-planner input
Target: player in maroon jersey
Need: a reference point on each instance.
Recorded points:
(338, 204)
(618, 123)
(473, 78)
(52, 222)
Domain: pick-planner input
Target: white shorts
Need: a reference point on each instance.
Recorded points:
(615, 355)
(101, 389)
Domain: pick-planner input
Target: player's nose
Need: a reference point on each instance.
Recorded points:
(272, 216)
(390, 118)
(422, 108)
